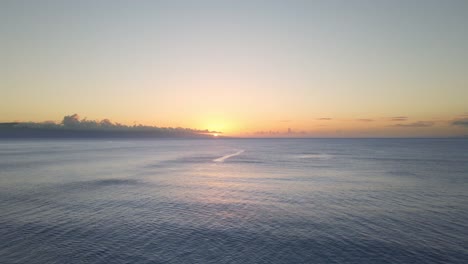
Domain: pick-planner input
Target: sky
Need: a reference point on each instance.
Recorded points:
(247, 68)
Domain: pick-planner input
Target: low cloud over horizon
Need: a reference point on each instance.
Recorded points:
(360, 127)
(463, 122)
(73, 126)
(416, 124)
(399, 118)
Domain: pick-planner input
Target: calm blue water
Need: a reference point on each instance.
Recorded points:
(234, 201)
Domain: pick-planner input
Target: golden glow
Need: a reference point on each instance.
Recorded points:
(216, 124)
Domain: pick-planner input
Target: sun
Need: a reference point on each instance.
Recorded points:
(215, 135)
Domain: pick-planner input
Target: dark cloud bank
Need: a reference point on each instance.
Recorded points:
(72, 127)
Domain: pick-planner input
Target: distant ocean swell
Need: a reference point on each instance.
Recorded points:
(234, 201)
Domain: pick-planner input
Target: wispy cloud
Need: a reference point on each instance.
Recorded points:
(416, 124)
(460, 122)
(324, 118)
(399, 118)
(365, 120)
(289, 132)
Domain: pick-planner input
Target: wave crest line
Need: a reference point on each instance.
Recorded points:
(225, 157)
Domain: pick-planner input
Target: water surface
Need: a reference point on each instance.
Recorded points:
(234, 201)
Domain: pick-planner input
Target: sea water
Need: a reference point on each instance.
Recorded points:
(234, 201)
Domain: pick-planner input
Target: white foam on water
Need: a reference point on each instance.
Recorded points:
(315, 156)
(225, 157)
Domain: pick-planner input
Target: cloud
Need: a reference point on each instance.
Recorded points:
(105, 126)
(416, 124)
(71, 120)
(288, 132)
(460, 122)
(399, 118)
(325, 118)
(365, 120)
(267, 132)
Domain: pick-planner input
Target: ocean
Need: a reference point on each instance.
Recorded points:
(234, 201)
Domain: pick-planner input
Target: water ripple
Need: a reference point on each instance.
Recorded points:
(282, 209)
